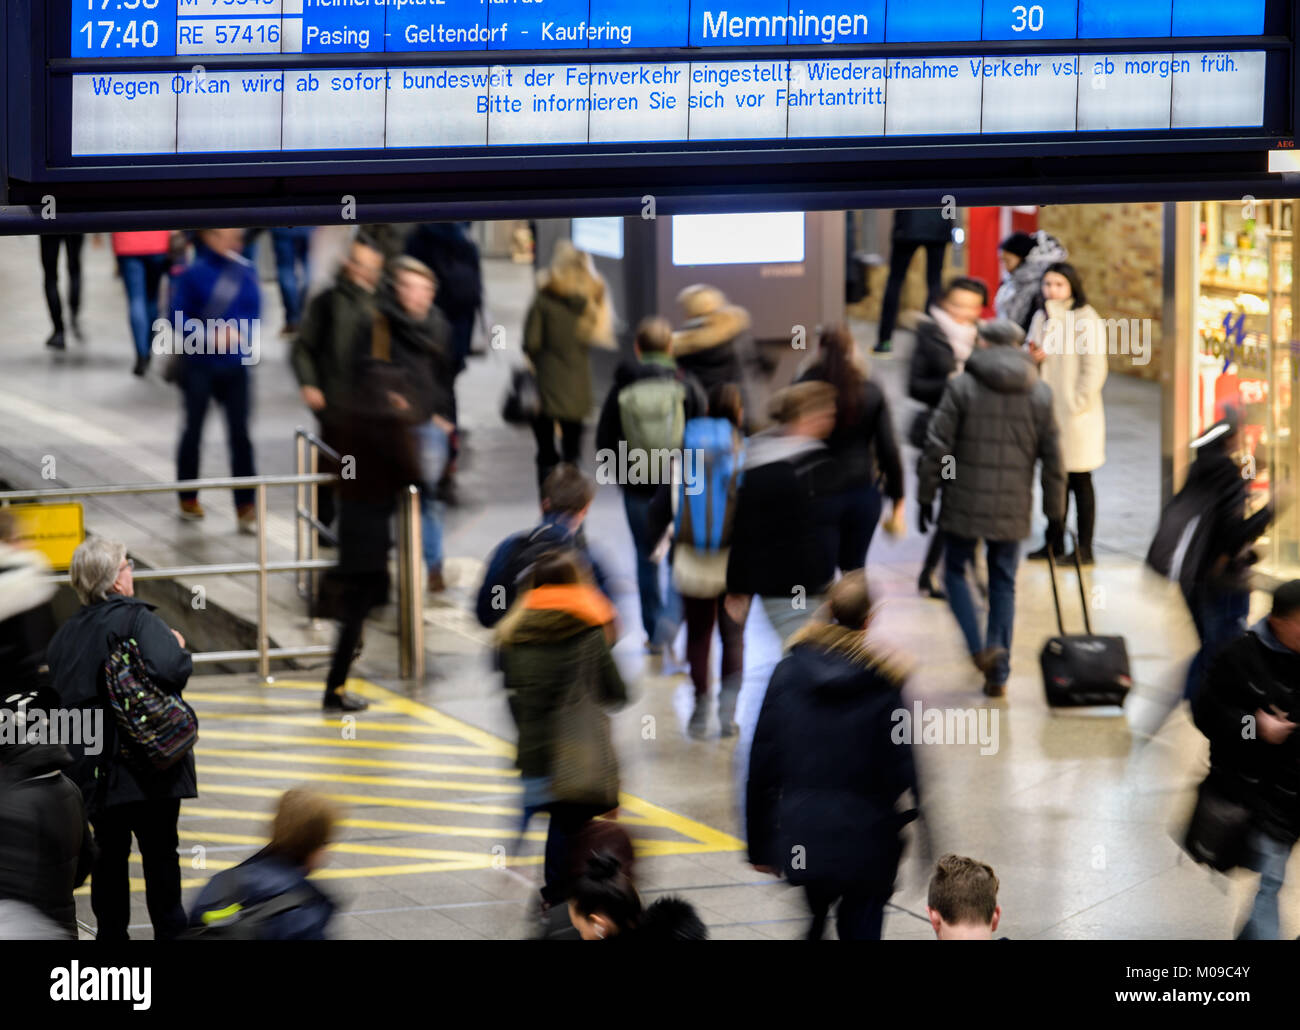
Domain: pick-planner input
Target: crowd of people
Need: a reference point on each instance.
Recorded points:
(777, 502)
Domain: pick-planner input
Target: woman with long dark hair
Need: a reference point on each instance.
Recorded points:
(863, 444)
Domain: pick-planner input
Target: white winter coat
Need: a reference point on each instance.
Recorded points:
(1075, 368)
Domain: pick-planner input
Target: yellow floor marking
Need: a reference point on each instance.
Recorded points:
(306, 775)
(361, 725)
(206, 733)
(368, 763)
(348, 847)
(253, 699)
(431, 829)
(364, 800)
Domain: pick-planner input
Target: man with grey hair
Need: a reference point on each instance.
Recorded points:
(122, 800)
(993, 425)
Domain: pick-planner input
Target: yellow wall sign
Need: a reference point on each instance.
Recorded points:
(55, 530)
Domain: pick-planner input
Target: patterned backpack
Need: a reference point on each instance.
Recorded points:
(155, 728)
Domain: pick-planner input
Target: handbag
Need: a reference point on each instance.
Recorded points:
(523, 400)
(1217, 833)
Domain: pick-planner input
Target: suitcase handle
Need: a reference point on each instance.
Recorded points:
(1056, 597)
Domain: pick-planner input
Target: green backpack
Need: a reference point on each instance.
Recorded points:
(653, 413)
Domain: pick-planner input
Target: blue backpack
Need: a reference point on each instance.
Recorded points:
(713, 453)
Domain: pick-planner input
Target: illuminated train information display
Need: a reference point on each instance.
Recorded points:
(261, 88)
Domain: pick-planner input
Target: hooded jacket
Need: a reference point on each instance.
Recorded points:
(785, 533)
(1254, 672)
(569, 314)
(609, 429)
(994, 423)
(46, 848)
(76, 657)
(824, 770)
(1020, 294)
(707, 343)
(559, 674)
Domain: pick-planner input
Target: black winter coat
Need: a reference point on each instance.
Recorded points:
(785, 533)
(76, 658)
(933, 361)
(1254, 672)
(824, 771)
(46, 848)
(864, 445)
(1217, 558)
(420, 350)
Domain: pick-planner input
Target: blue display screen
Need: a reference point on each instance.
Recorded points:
(164, 28)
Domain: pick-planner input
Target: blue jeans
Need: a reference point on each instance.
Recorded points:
(433, 443)
(1268, 857)
(290, 247)
(1220, 617)
(203, 381)
(857, 513)
(1003, 559)
(661, 612)
(142, 276)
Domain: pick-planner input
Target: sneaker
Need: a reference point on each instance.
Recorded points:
(56, 342)
(698, 727)
(246, 515)
(884, 347)
(927, 586)
(191, 511)
(76, 329)
(436, 583)
(727, 699)
(992, 689)
(1041, 554)
(343, 701)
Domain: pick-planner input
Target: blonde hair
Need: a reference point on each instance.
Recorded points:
(406, 263)
(794, 402)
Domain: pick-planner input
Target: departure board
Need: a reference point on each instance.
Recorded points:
(258, 88)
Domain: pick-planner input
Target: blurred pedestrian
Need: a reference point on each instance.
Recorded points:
(864, 445)
(26, 616)
(71, 244)
(446, 247)
(569, 314)
(566, 499)
(268, 897)
(962, 903)
(409, 331)
(324, 351)
(142, 260)
(220, 290)
(784, 536)
(123, 799)
(914, 229)
(641, 426)
(1068, 340)
(708, 344)
(1025, 257)
(826, 772)
(701, 510)
(945, 338)
(374, 428)
(1254, 682)
(560, 680)
(994, 424)
(46, 847)
(606, 906)
(291, 244)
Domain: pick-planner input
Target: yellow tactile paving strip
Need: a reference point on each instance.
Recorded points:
(401, 757)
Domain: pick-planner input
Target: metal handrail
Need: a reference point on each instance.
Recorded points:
(411, 621)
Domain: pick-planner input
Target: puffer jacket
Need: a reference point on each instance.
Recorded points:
(558, 668)
(76, 658)
(46, 848)
(1254, 672)
(824, 769)
(933, 363)
(996, 421)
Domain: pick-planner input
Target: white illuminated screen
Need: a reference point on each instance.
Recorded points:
(738, 239)
(602, 236)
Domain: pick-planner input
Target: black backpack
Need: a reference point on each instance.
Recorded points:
(231, 920)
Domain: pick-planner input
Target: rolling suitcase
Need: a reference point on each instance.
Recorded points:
(1082, 669)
